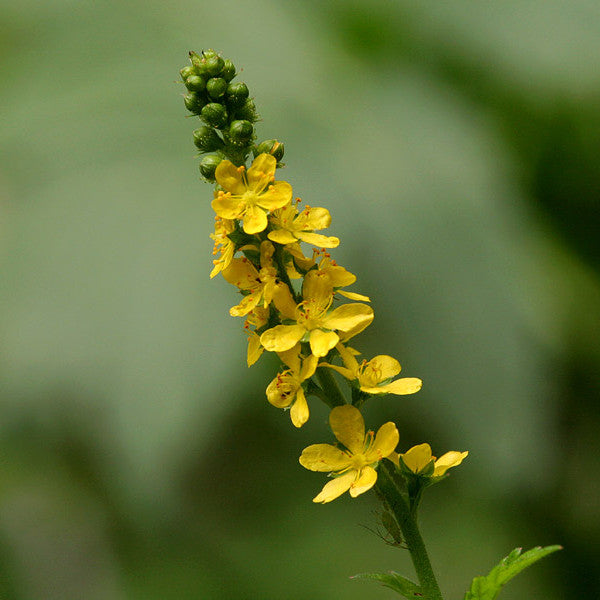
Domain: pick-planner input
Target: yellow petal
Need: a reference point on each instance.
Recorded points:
(228, 206)
(385, 442)
(299, 411)
(347, 373)
(312, 218)
(229, 177)
(447, 461)
(349, 360)
(339, 276)
(348, 426)
(241, 273)
(321, 342)
(248, 303)
(255, 220)
(284, 301)
(282, 236)
(255, 349)
(324, 458)
(401, 387)
(282, 337)
(291, 358)
(277, 195)
(279, 395)
(417, 458)
(316, 239)
(309, 366)
(385, 365)
(261, 172)
(354, 296)
(316, 286)
(335, 488)
(348, 317)
(365, 481)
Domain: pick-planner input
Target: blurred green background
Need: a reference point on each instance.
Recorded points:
(456, 146)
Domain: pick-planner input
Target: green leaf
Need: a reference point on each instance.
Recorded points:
(396, 582)
(488, 587)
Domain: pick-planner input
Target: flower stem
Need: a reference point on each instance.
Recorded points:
(398, 504)
(330, 387)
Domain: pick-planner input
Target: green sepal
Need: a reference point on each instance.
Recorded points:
(252, 255)
(272, 147)
(186, 72)
(237, 94)
(240, 238)
(247, 111)
(216, 87)
(206, 139)
(228, 72)
(208, 166)
(195, 83)
(214, 114)
(214, 64)
(488, 587)
(405, 587)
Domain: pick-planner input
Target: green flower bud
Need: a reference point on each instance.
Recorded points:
(241, 131)
(193, 102)
(237, 94)
(247, 111)
(228, 72)
(216, 87)
(272, 147)
(198, 63)
(215, 114)
(214, 65)
(186, 72)
(210, 53)
(207, 139)
(195, 83)
(208, 166)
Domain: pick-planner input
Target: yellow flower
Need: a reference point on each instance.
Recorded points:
(286, 391)
(259, 285)
(353, 468)
(256, 318)
(314, 321)
(223, 227)
(291, 226)
(419, 457)
(249, 195)
(373, 376)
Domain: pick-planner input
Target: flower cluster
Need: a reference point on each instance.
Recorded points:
(292, 296)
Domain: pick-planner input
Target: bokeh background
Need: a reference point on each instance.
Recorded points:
(456, 145)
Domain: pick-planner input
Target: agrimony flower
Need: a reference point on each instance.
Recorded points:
(285, 391)
(223, 227)
(374, 376)
(291, 226)
(314, 322)
(418, 460)
(352, 468)
(251, 194)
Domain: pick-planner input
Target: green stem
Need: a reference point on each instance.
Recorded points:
(330, 387)
(399, 506)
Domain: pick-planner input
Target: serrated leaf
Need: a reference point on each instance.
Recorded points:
(396, 582)
(488, 587)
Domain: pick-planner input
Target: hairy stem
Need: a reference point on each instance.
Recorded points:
(398, 504)
(330, 387)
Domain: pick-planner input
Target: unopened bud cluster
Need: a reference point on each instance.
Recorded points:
(227, 111)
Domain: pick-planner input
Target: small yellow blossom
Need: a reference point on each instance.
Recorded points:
(250, 195)
(256, 318)
(419, 457)
(291, 226)
(314, 321)
(353, 468)
(223, 227)
(285, 391)
(374, 375)
(258, 285)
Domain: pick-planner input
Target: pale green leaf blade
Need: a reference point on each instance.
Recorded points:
(396, 582)
(488, 587)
